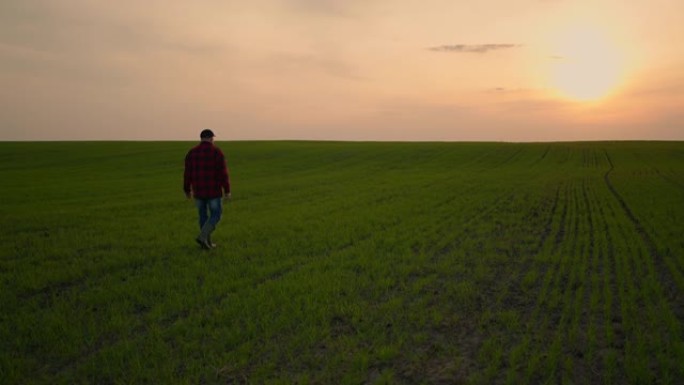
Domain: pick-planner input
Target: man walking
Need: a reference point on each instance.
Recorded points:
(206, 180)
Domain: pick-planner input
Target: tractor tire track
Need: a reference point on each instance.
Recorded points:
(598, 298)
(79, 283)
(667, 278)
(500, 201)
(546, 233)
(137, 331)
(612, 340)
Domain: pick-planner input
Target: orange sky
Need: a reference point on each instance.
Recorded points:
(527, 70)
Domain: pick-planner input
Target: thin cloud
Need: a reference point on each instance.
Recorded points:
(327, 7)
(520, 92)
(473, 48)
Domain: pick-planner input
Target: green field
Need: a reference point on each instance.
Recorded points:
(345, 263)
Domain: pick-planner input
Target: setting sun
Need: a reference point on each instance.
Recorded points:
(587, 65)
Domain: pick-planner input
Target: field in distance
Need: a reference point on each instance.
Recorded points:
(345, 263)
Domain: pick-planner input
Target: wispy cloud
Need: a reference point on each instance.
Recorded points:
(294, 64)
(473, 48)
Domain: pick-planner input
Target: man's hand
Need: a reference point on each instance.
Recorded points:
(188, 195)
(226, 197)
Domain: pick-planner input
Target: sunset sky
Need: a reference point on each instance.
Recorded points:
(486, 70)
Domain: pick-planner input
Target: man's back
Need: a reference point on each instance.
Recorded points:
(206, 174)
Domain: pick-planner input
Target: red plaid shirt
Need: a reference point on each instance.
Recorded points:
(206, 174)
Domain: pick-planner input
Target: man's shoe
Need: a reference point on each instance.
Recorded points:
(205, 234)
(210, 243)
(203, 243)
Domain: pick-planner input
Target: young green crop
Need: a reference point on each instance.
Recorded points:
(345, 263)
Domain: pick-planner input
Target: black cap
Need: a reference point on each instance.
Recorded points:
(207, 134)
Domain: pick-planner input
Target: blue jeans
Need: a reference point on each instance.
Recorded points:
(209, 210)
